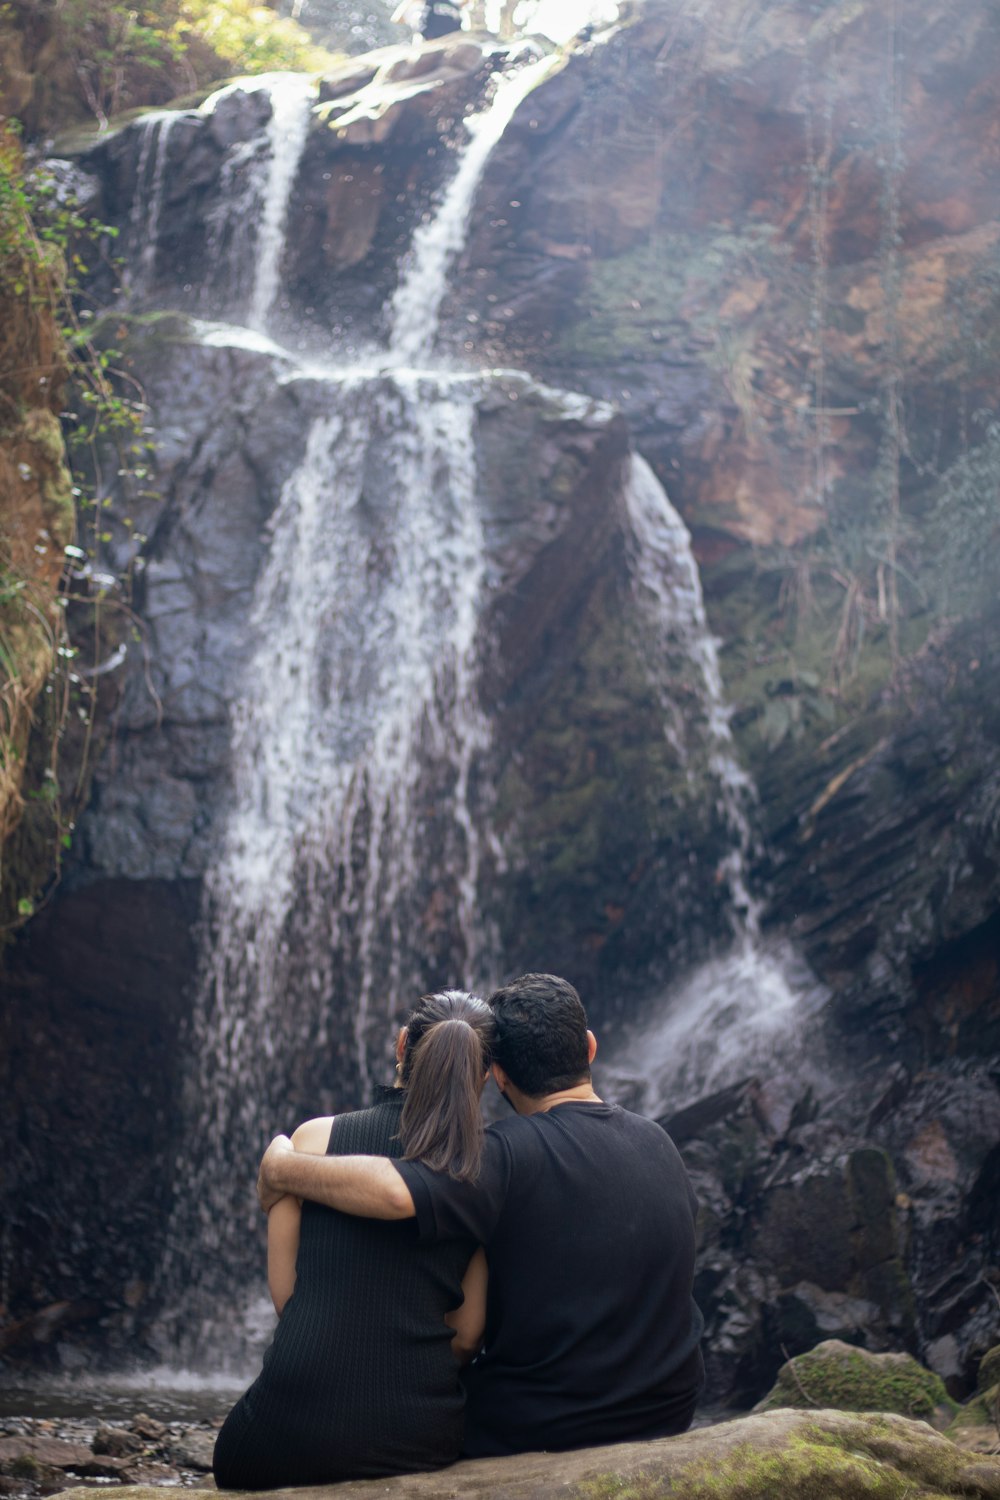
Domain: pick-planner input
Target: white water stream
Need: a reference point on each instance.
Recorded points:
(147, 205)
(416, 305)
(292, 97)
(668, 586)
(744, 1011)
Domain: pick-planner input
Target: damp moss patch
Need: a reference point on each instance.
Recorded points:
(836, 1375)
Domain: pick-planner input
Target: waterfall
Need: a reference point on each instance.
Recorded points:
(365, 623)
(246, 226)
(291, 101)
(357, 850)
(416, 304)
(742, 1013)
(746, 1010)
(668, 589)
(358, 824)
(147, 205)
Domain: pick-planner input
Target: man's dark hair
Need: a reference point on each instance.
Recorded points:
(541, 1036)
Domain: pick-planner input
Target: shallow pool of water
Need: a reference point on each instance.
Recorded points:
(168, 1395)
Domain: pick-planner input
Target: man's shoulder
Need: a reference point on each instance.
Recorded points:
(500, 1133)
(649, 1133)
(515, 1137)
(642, 1124)
(519, 1131)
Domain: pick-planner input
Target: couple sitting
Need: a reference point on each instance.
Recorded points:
(555, 1250)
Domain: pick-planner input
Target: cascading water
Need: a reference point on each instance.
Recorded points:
(743, 1011)
(147, 206)
(246, 225)
(416, 305)
(291, 101)
(359, 709)
(360, 789)
(668, 586)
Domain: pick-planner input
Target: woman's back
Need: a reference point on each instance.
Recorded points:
(359, 1380)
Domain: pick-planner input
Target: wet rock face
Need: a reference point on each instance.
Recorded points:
(599, 822)
(892, 885)
(105, 973)
(868, 1215)
(186, 191)
(88, 1118)
(115, 957)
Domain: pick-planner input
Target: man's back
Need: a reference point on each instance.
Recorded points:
(592, 1335)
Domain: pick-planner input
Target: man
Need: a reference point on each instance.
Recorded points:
(587, 1217)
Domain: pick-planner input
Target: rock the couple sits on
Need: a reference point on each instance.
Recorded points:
(555, 1251)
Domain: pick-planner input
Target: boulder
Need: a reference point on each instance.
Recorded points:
(977, 1423)
(148, 1427)
(195, 1450)
(835, 1374)
(814, 1455)
(32, 1456)
(117, 1441)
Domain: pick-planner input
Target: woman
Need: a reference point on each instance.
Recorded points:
(361, 1378)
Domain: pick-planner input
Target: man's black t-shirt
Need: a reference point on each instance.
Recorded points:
(592, 1334)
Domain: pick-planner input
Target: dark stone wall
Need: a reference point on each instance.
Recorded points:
(96, 999)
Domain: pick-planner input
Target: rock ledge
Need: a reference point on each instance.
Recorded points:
(830, 1454)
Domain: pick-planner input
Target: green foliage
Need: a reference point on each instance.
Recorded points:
(120, 54)
(795, 702)
(44, 244)
(106, 41)
(248, 38)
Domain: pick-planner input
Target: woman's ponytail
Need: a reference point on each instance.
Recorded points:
(448, 1050)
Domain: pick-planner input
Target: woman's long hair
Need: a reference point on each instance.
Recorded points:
(449, 1047)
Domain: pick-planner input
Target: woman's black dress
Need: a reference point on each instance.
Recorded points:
(359, 1380)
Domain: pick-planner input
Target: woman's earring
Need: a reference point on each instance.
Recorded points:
(399, 1067)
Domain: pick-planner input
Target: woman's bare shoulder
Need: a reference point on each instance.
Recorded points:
(313, 1136)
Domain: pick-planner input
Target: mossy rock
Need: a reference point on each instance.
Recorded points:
(779, 1455)
(835, 1374)
(989, 1369)
(977, 1425)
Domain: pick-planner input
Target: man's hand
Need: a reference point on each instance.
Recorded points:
(271, 1162)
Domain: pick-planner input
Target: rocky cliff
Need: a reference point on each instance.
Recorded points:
(37, 521)
(765, 241)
